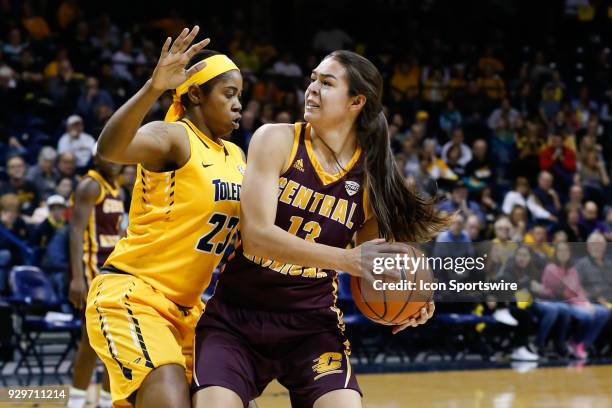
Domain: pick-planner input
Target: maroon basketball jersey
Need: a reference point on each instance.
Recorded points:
(103, 226)
(313, 205)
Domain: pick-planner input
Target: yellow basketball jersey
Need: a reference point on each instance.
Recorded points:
(181, 221)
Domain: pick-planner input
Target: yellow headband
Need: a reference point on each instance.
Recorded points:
(215, 66)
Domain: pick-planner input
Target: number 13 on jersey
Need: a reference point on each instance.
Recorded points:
(218, 238)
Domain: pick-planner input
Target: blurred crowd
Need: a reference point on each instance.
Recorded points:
(517, 139)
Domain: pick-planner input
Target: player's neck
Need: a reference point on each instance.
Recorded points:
(198, 121)
(342, 141)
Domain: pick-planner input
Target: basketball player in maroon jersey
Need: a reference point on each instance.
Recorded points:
(94, 229)
(308, 189)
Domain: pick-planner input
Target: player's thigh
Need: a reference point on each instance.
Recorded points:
(216, 397)
(320, 366)
(131, 338)
(339, 398)
(164, 387)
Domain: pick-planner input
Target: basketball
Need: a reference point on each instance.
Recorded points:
(394, 301)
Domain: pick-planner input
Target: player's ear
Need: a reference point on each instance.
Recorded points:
(357, 102)
(195, 95)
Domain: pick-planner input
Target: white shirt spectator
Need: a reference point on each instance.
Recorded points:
(513, 198)
(76, 141)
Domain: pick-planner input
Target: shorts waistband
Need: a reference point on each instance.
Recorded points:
(110, 269)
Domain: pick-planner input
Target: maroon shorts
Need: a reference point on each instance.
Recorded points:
(243, 350)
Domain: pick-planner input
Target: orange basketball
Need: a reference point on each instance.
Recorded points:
(392, 302)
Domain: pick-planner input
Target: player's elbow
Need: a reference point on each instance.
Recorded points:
(252, 238)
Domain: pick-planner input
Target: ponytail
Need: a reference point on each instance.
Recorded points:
(402, 213)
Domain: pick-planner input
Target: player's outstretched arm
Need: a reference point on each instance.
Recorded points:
(269, 150)
(121, 140)
(85, 198)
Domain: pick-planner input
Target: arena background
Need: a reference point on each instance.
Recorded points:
(478, 95)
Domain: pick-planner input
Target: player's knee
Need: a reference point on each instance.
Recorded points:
(216, 397)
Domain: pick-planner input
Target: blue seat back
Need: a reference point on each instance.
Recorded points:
(31, 285)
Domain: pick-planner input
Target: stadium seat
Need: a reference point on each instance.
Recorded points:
(32, 297)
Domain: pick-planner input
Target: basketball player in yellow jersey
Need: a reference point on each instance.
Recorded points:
(94, 231)
(143, 308)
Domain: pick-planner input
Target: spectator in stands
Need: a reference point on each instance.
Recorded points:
(576, 232)
(425, 183)
(473, 228)
(18, 184)
(502, 243)
(457, 139)
(450, 118)
(538, 238)
(523, 268)
(65, 88)
(560, 160)
(594, 271)
(589, 219)
(459, 201)
(66, 165)
(528, 147)
(16, 233)
(285, 66)
(505, 111)
(550, 105)
(76, 141)
(521, 195)
(55, 220)
(487, 204)
(91, 99)
(546, 195)
(560, 280)
(65, 187)
(575, 197)
(404, 82)
(44, 175)
(123, 59)
(492, 84)
(453, 161)
(583, 107)
(594, 177)
(519, 219)
(480, 172)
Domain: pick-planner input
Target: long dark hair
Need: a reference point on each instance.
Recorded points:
(402, 214)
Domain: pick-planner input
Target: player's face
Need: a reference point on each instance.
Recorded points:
(221, 108)
(327, 100)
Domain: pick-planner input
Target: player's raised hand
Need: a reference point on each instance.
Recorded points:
(170, 71)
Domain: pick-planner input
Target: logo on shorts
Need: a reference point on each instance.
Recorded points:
(352, 187)
(327, 363)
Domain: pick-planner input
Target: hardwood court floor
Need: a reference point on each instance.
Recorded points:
(574, 387)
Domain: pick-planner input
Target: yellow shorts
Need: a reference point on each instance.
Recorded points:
(134, 328)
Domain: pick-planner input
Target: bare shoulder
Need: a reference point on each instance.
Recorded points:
(274, 138)
(88, 189)
(163, 130)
